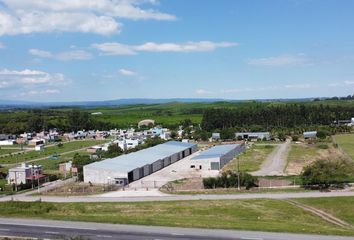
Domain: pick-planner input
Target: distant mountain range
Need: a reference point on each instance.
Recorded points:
(132, 101)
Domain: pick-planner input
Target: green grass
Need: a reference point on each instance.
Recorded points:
(48, 151)
(346, 142)
(7, 151)
(340, 207)
(252, 159)
(258, 215)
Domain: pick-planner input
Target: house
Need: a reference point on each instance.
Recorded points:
(215, 136)
(39, 147)
(25, 174)
(8, 142)
(65, 167)
(253, 135)
(311, 134)
(36, 141)
(94, 149)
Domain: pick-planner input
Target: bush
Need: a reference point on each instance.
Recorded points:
(324, 173)
(229, 179)
(295, 138)
(322, 146)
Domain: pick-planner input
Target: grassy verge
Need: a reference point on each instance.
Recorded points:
(340, 207)
(261, 215)
(48, 151)
(346, 142)
(236, 191)
(252, 159)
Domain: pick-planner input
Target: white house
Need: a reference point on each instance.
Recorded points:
(24, 174)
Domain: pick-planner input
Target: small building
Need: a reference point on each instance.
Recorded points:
(25, 174)
(94, 149)
(127, 168)
(253, 135)
(217, 157)
(8, 142)
(65, 167)
(311, 134)
(36, 142)
(39, 147)
(146, 123)
(215, 136)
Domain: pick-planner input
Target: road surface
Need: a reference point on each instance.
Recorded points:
(171, 197)
(275, 163)
(48, 229)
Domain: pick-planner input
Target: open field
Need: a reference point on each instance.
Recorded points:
(346, 142)
(265, 215)
(340, 207)
(7, 151)
(48, 151)
(303, 154)
(252, 159)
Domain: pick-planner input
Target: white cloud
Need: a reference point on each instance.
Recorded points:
(298, 86)
(63, 56)
(127, 72)
(123, 49)
(2, 45)
(349, 82)
(282, 60)
(203, 92)
(27, 77)
(87, 16)
(39, 92)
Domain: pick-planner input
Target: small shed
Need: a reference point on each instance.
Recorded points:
(310, 134)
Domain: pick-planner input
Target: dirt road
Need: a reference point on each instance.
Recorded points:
(275, 163)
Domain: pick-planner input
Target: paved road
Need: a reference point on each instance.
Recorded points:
(58, 229)
(275, 163)
(179, 197)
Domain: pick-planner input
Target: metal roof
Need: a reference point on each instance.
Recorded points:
(127, 162)
(216, 151)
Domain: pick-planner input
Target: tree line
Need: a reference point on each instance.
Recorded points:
(38, 120)
(275, 116)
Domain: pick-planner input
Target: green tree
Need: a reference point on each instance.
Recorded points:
(324, 173)
(79, 161)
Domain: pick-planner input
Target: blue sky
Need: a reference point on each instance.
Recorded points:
(71, 50)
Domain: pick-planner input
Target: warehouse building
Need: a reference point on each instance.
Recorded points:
(253, 135)
(217, 157)
(131, 167)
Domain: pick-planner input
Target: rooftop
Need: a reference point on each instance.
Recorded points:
(216, 151)
(128, 162)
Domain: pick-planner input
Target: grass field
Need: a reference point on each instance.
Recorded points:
(346, 142)
(252, 159)
(7, 151)
(48, 151)
(302, 154)
(340, 207)
(260, 215)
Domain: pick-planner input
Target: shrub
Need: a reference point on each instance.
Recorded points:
(324, 173)
(229, 179)
(322, 146)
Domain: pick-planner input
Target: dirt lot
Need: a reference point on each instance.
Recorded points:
(303, 154)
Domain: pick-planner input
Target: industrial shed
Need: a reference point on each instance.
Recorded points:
(217, 157)
(131, 167)
(253, 135)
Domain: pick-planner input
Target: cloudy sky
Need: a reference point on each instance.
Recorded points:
(70, 50)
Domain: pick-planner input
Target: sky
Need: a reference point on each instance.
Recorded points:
(81, 50)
